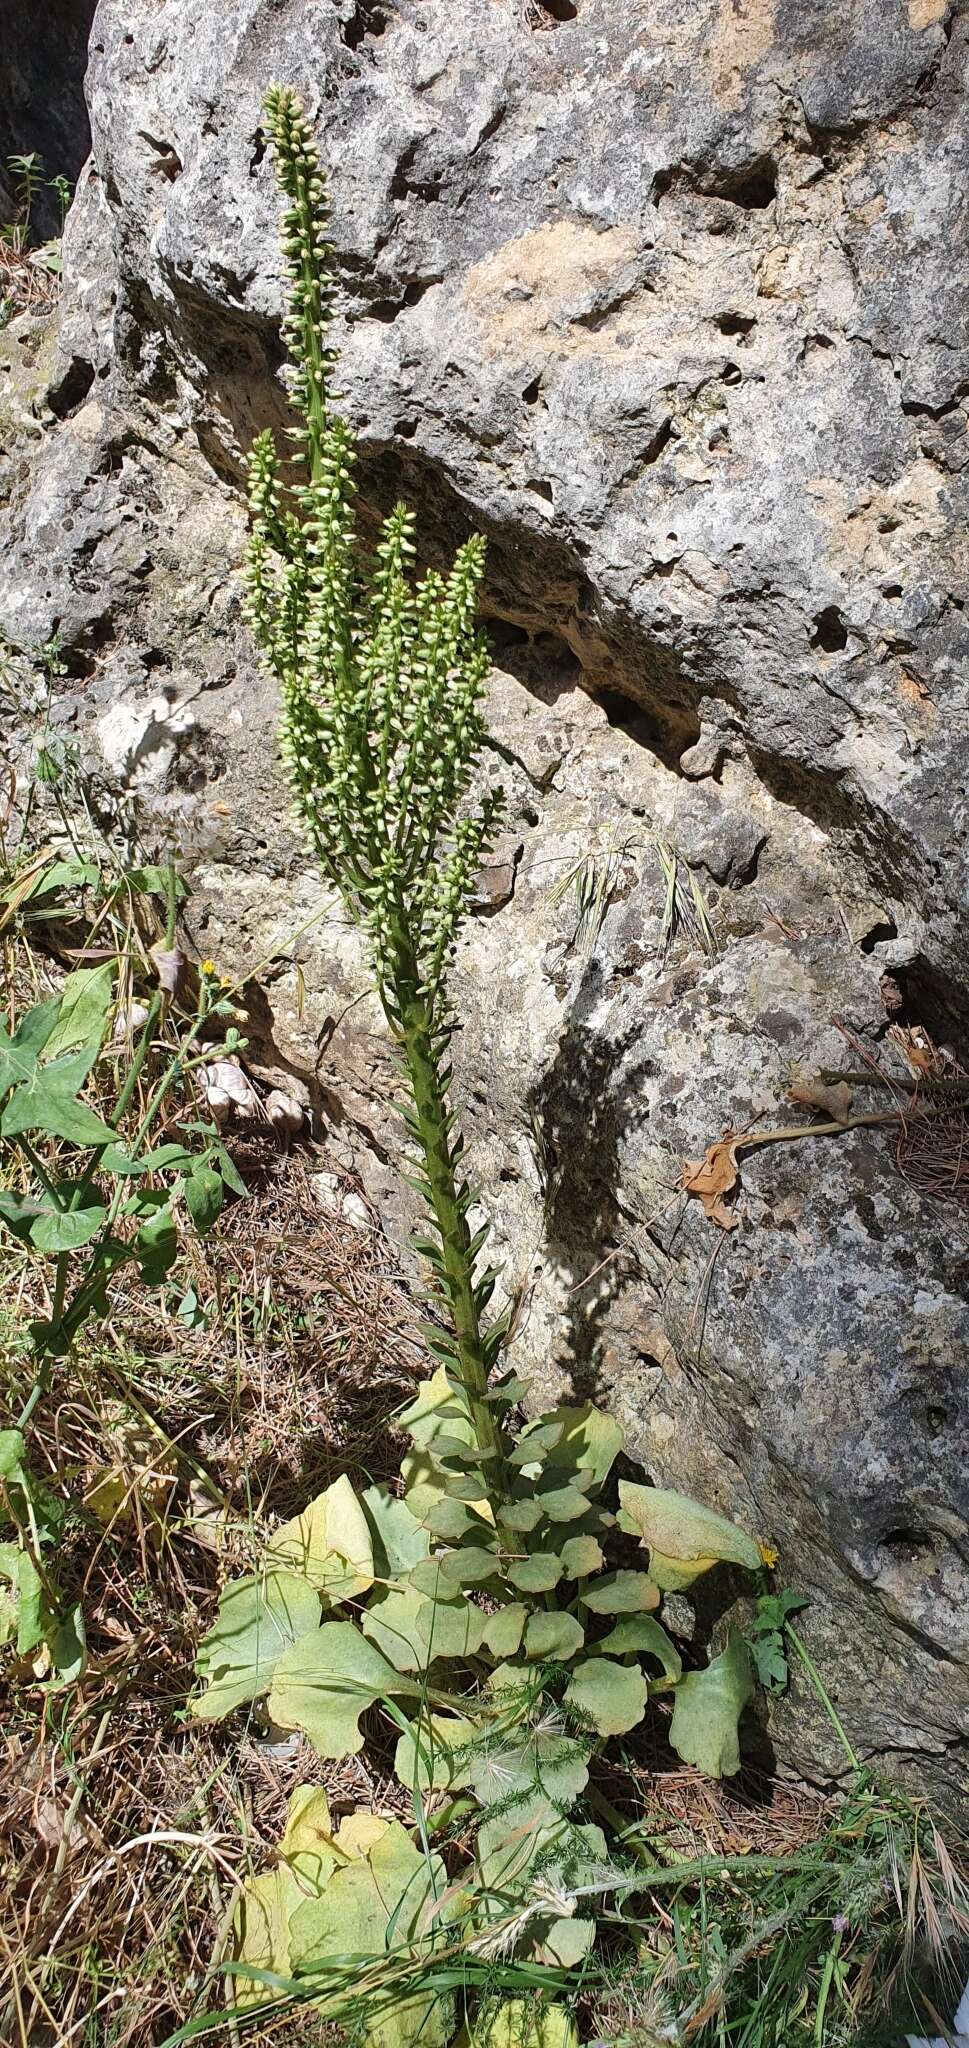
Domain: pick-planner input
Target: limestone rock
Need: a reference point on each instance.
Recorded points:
(663, 300)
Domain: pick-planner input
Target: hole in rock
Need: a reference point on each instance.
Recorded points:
(504, 633)
(405, 429)
(932, 1000)
(532, 390)
(551, 13)
(666, 733)
(258, 151)
(732, 374)
(752, 188)
(907, 1546)
(540, 489)
(736, 323)
(879, 935)
(830, 632)
(68, 394)
(892, 590)
(366, 20)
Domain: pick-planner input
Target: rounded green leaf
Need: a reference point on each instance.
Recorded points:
(520, 1515)
(451, 1628)
(563, 1504)
(581, 1556)
(621, 1593)
(429, 1757)
(390, 1621)
(470, 1566)
(553, 1635)
(398, 1540)
(503, 1631)
(612, 1696)
(538, 1574)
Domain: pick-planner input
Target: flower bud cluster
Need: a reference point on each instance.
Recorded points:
(380, 679)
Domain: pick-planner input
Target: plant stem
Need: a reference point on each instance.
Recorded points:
(824, 1697)
(430, 1102)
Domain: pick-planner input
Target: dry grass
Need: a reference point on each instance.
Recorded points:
(125, 1829)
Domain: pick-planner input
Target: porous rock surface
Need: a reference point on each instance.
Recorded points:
(661, 296)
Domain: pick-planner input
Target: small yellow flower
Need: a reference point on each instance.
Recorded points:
(769, 1555)
(208, 967)
(226, 981)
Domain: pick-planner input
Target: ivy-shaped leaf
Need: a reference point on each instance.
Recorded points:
(258, 1619)
(47, 1101)
(325, 1680)
(84, 1004)
(707, 1708)
(612, 1696)
(328, 1544)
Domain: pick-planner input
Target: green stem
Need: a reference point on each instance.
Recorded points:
(824, 1697)
(430, 1102)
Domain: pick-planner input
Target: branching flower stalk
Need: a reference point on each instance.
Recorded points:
(380, 682)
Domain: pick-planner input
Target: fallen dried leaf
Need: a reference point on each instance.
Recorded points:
(713, 1177)
(834, 1097)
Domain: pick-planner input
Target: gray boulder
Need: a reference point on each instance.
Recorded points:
(663, 300)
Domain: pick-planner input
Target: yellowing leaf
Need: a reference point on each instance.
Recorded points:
(586, 1439)
(683, 1538)
(383, 1898)
(707, 1708)
(324, 1681)
(521, 2023)
(307, 1860)
(328, 1544)
(259, 1618)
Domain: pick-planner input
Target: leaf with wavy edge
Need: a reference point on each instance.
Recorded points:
(329, 1544)
(259, 1619)
(612, 1696)
(707, 1706)
(683, 1538)
(324, 1682)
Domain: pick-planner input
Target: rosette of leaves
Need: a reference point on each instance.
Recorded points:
(494, 1633)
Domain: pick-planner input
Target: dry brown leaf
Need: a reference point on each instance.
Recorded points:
(713, 1177)
(833, 1098)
